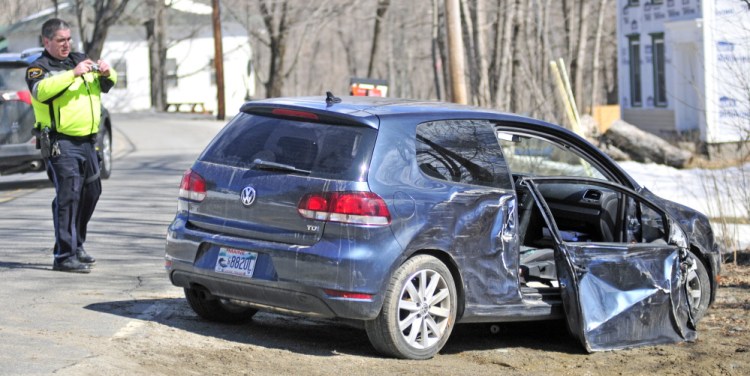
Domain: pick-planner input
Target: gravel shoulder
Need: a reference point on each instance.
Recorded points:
(173, 340)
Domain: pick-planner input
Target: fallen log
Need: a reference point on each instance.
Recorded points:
(645, 147)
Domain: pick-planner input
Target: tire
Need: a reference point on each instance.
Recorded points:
(415, 330)
(212, 308)
(104, 150)
(698, 288)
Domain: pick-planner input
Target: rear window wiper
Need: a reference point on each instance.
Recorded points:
(267, 165)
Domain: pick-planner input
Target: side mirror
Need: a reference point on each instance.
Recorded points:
(508, 137)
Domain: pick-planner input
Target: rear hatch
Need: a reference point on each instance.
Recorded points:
(16, 119)
(259, 168)
(16, 114)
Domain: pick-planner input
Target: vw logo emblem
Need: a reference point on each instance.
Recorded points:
(247, 196)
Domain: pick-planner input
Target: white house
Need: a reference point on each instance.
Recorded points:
(685, 66)
(189, 65)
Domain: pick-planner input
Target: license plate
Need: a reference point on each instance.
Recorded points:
(236, 262)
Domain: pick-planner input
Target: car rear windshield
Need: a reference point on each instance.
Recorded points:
(322, 150)
(12, 76)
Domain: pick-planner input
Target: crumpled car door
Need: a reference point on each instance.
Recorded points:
(622, 294)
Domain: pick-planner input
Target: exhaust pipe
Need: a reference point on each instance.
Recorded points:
(31, 166)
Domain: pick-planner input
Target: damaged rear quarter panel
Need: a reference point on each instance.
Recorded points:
(471, 228)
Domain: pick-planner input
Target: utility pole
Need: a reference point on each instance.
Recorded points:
(218, 61)
(456, 50)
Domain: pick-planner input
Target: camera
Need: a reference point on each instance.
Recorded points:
(95, 67)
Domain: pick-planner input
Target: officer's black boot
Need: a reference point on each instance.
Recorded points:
(71, 264)
(84, 257)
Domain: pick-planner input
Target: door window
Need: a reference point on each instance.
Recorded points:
(589, 211)
(535, 156)
(586, 213)
(643, 224)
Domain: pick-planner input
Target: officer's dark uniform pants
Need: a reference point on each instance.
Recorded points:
(75, 174)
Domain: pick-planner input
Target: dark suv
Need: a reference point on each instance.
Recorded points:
(410, 217)
(18, 152)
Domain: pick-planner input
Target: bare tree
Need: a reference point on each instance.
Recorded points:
(106, 13)
(503, 55)
(473, 13)
(456, 50)
(597, 52)
(276, 21)
(379, 15)
(435, 50)
(282, 29)
(579, 64)
(509, 44)
(15, 10)
(157, 52)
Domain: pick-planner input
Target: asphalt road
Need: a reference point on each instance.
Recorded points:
(48, 319)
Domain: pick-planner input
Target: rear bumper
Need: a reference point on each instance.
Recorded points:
(288, 278)
(20, 158)
(280, 297)
(18, 153)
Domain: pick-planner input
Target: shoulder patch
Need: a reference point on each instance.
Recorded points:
(34, 72)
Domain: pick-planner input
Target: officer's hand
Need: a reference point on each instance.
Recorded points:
(83, 67)
(103, 68)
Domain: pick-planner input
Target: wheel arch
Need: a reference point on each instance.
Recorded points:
(450, 263)
(712, 273)
(108, 125)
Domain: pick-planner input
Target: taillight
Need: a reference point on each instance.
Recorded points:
(193, 186)
(23, 96)
(361, 208)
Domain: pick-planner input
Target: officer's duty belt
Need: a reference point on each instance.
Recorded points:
(89, 138)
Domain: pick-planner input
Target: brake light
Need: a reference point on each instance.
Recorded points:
(294, 113)
(361, 208)
(193, 186)
(23, 96)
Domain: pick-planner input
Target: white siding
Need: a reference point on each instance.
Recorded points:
(707, 48)
(655, 120)
(193, 53)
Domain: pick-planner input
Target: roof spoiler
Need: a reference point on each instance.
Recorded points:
(30, 51)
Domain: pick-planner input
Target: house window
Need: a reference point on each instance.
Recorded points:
(660, 82)
(121, 67)
(634, 49)
(171, 72)
(633, 3)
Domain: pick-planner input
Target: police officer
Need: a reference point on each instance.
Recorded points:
(65, 88)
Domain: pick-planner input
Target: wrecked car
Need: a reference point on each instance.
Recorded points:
(410, 217)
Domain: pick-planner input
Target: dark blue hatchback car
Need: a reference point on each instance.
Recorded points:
(410, 217)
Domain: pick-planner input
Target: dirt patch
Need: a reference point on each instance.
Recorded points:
(178, 342)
